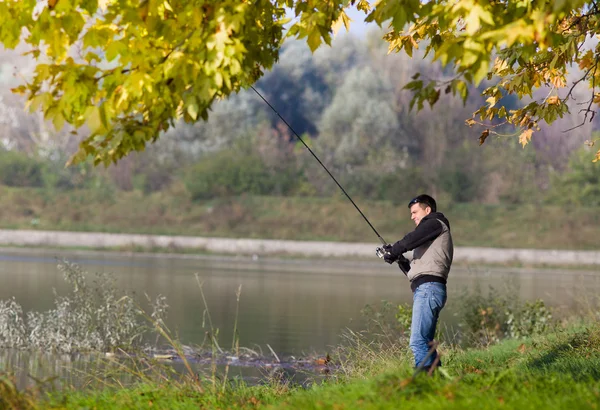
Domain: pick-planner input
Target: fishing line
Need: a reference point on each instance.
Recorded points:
(324, 167)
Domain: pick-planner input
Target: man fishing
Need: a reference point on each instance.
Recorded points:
(428, 271)
(431, 243)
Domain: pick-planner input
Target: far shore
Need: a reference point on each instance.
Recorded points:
(266, 247)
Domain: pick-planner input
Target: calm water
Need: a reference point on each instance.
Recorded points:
(295, 306)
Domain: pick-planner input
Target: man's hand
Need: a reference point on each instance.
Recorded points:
(388, 256)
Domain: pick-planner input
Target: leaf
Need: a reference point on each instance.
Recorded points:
(553, 100)
(525, 137)
(483, 136)
(314, 40)
(597, 157)
(77, 158)
(363, 5)
(192, 110)
(94, 119)
(343, 19)
(143, 10)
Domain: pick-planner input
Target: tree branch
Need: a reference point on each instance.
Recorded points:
(588, 110)
(580, 80)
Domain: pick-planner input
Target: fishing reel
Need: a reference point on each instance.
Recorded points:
(403, 263)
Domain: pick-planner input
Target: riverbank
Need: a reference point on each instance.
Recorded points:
(558, 370)
(333, 219)
(268, 247)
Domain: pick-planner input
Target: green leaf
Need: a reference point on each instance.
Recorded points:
(192, 110)
(94, 119)
(314, 40)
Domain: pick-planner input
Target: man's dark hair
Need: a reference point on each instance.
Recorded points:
(425, 201)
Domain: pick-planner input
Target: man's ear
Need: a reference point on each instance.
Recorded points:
(428, 210)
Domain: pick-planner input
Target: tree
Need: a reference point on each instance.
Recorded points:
(128, 69)
(579, 184)
(360, 120)
(533, 45)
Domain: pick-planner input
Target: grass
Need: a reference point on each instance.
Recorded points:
(299, 218)
(556, 371)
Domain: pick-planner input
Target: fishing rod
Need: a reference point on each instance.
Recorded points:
(379, 251)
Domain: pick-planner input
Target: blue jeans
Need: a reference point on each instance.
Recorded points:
(428, 300)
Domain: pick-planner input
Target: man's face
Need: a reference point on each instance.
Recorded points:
(417, 213)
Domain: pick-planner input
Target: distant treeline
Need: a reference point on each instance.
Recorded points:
(349, 103)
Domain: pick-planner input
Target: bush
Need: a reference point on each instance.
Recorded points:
(462, 174)
(18, 170)
(579, 184)
(231, 172)
(90, 318)
(486, 320)
(398, 186)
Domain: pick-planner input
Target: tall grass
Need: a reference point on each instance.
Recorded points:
(91, 317)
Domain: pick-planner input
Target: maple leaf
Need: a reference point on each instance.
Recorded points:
(525, 137)
(553, 100)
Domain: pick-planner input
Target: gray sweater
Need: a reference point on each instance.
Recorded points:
(431, 243)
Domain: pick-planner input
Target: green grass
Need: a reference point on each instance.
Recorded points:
(556, 371)
(299, 218)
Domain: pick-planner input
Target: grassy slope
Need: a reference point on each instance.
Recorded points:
(291, 218)
(561, 371)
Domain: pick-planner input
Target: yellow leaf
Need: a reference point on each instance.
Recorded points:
(553, 100)
(363, 5)
(192, 110)
(94, 119)
(19, 90)
(525, 137)
(344, 20)
(414, 43)
(597, 157)
(558, 81)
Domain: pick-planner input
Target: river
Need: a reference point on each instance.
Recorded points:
(296, 306)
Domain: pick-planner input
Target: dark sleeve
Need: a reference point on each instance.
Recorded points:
(426, 231)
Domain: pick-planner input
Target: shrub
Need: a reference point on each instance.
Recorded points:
(579, 184)
(89, 318)
(231, 172)
(18, 170)
(486, 320)
(398, 186)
